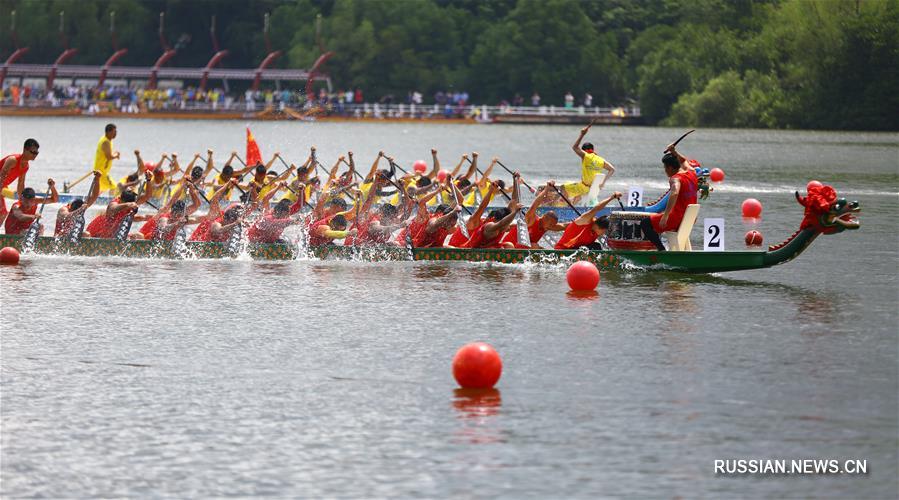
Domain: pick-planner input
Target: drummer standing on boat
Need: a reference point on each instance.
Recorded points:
(591, 165)
(104, 157)
(14, 167)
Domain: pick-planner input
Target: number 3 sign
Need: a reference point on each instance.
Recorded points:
(635, 197)
(713, 229)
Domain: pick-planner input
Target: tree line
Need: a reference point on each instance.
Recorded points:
(828, 64)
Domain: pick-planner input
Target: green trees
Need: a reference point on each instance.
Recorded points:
(728, 63)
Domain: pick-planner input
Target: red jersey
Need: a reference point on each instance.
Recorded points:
(576, 236)
(535, 232)
(478, 240)
(17, 170)
(363, 227)
(429, 240)
(314, 239)
(268, 229)
(15, 226)
(685, 196)
(172, 230)
(105, 227)
(149, 227)
(201, 233)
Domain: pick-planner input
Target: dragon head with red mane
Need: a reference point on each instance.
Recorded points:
(825, 213)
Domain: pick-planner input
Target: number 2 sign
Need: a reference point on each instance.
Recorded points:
(713, 231)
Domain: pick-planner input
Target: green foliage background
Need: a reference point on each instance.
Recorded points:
(830, 64)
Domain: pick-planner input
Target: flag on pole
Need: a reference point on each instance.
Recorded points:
(253, 154)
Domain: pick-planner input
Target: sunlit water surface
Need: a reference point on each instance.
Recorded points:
(308, 378)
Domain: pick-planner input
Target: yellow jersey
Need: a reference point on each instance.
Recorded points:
(104, 165)
(591, 165)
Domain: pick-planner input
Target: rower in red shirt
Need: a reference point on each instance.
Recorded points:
(215, 211)
(458, 238)
(682, 184)
(583, 231)
(489, 234)
(14, 167)
(24, 211)
(105, 225)
(68, 213)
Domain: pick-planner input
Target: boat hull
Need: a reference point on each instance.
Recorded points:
(690, 262)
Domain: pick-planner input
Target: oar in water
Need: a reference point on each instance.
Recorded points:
(34, 229)
(675, 143)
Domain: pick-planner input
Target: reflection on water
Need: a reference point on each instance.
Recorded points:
(477, 410)
(582, 295)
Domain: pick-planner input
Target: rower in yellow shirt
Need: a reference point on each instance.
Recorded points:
(591, 165)
(103, 159)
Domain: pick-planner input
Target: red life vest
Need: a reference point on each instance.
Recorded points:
(314, 239)
(15, 226)
(576, 236)
(17, 170)
(105, 227)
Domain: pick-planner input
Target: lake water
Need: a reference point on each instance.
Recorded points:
(332, 379)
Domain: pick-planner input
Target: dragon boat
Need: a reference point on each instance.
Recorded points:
(824, 214)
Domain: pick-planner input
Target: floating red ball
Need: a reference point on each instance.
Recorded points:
(477, 366)
(754, 238)
(582, 275)
(420, 166)
(9, 255)
(441, 175)
(752, 208)
(717, 175)
(813, 184)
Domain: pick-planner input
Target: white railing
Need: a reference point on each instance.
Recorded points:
(369, 110)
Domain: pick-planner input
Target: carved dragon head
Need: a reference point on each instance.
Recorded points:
(825, 213)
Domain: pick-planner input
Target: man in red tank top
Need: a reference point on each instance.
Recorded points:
(682, 183)
(14, 167)
(24, 211)
(583, 231)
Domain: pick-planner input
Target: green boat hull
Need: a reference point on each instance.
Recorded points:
(691, 262)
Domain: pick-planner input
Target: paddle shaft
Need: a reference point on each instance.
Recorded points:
(675, 143)
(567, 201)
(85, 176)
(512, 173)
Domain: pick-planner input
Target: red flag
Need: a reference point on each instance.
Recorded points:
(253, 154)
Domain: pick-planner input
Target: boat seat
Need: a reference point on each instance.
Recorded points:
(680, 240)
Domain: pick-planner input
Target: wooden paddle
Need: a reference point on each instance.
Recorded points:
(33, 231)
(66, 186)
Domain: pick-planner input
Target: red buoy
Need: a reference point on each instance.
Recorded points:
(813, 184)
(582, 275)
(717, 175)
(477, 366)
(9, 255)
(420, 166)
(754, 238)
(441, 175)
(752, 208)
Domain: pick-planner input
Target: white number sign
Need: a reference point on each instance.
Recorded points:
(635, 196)
(713, 231)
